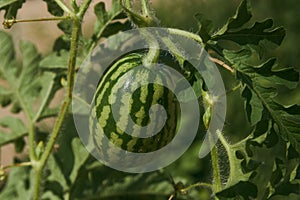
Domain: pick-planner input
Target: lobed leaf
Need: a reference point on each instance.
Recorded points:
(140, 186)
(241, 17)
(4, 3)
(205, 27)
(16, 127)
(285, 180)
(233, 30)
(255, 156)
(17, 188)
(253, 106)
(242, 190)
(106, 20)
(56, 184)
(80, 157)
(26, 87)
(261, 82)
(55, 61)
(253, 35)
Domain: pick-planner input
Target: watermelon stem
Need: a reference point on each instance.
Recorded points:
(153, 52)
(146, 19)
(39, 164)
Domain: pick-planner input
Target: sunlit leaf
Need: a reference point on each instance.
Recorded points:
(26, 87)
(4, 3)
(105, 18)
(17, 188)
(16, 131)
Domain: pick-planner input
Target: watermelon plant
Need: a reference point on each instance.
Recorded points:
(261, 160)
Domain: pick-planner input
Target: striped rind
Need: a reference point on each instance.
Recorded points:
(109, 93)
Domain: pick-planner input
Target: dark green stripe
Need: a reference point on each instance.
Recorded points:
(171, 107)
(165, 98)
(123, 66)
(111, 125)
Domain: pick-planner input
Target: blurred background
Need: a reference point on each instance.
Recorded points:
(179, 14)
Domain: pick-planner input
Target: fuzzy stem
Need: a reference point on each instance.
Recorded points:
(62, 113)
(234, 89)
(63, 6)
(23, 164)
(145, 8)
(67, 100)
(83, 8)
(214, 152)
(43, 19)
(204, 185)
(217, 183)
(186, 34)
(39, 165)
(140, 20)
(153, 53)
(128, 4)
(74, 5)
(216, 170)
(37, 186)
(175, 51)
(31, 138)
(8, 23)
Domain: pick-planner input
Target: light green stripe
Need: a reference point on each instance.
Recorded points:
(131, 144)
(114, 138)
(104, 116)
(107, 84)
(144, 90)
(124, 111)
(100, 96)
(111, 92)
(144, 94)
(122, 66)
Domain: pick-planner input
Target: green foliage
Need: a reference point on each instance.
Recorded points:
(22, 90)
(11, 7)
(260, 91)
(53, 8)
(264, 165)
(105, 24)
(17, 188)
(234, 31)
(17, 130)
